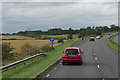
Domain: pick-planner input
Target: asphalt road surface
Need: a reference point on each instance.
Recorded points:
(117, 39)
(99, 61)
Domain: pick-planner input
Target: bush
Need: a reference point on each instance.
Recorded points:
(6, 52)
(79, 36)
(70, 36)
(60, 40)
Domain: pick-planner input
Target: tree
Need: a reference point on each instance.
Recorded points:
(114, 28)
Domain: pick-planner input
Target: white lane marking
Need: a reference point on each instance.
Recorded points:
(47, 75)
(55, 68)
(103, 79)
(94, 54)
(95, 58)
(98, 66)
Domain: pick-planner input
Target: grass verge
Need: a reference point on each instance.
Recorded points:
(115, 46)
(0, 76)
(34, 68)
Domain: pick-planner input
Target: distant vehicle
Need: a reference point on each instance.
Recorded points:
(92, 38)
(101, 36)
(72, 55)
(98, 37)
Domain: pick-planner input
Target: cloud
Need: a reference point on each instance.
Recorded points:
(44, 15)
(61, 1)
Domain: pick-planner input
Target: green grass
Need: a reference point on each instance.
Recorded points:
(114, 46)
(0, 76)
(32, 69)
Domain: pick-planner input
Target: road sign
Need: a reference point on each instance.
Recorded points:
(51, 39)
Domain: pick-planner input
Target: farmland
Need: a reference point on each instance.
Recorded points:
(16, 37)
(22, 41)
(59, 36)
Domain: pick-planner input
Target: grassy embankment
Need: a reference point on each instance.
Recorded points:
(32, 69)
(112, 43)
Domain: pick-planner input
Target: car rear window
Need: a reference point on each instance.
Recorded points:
(71, 51)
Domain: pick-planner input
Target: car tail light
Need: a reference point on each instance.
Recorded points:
(64, 54)
(79, 54)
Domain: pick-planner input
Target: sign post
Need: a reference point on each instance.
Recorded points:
(52, 40)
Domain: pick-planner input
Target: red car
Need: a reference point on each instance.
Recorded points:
(72, 54)
(101, 36)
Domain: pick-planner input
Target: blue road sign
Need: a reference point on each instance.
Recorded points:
(51, 39)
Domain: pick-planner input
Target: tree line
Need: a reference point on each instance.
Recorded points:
(58, 31)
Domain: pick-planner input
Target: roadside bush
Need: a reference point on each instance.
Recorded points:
(70, 36)
(79, 36)
(46, 48)
(60, 40)
(6, 52)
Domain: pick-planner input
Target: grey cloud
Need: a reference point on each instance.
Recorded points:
(19, 16)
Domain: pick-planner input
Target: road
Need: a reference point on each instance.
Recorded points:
(99, 61)
(116, 39)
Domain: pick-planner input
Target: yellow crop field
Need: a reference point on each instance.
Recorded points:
(17, 37)
(17, 44)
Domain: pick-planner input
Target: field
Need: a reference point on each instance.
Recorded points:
(59, 36)
(17, 44)
(17, 37)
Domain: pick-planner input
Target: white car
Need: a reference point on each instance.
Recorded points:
(98, 37)
(92, 38)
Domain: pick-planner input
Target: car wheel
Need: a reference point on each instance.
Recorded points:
(63, 63)
(81, 63)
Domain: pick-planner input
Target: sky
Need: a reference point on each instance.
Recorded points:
(38, 15)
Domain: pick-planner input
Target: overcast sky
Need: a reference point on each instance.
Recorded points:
(19, 16)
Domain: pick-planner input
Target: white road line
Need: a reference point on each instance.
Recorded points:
(47, 75)
(94, 54)
(103, 79)
(95, 58)
(98, 66)
(55, 68)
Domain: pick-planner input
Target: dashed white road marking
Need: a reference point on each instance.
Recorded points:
(47, 75)
(55, 68)
(95, 58)
(94, 54)
(103, 79)
(98, 66)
